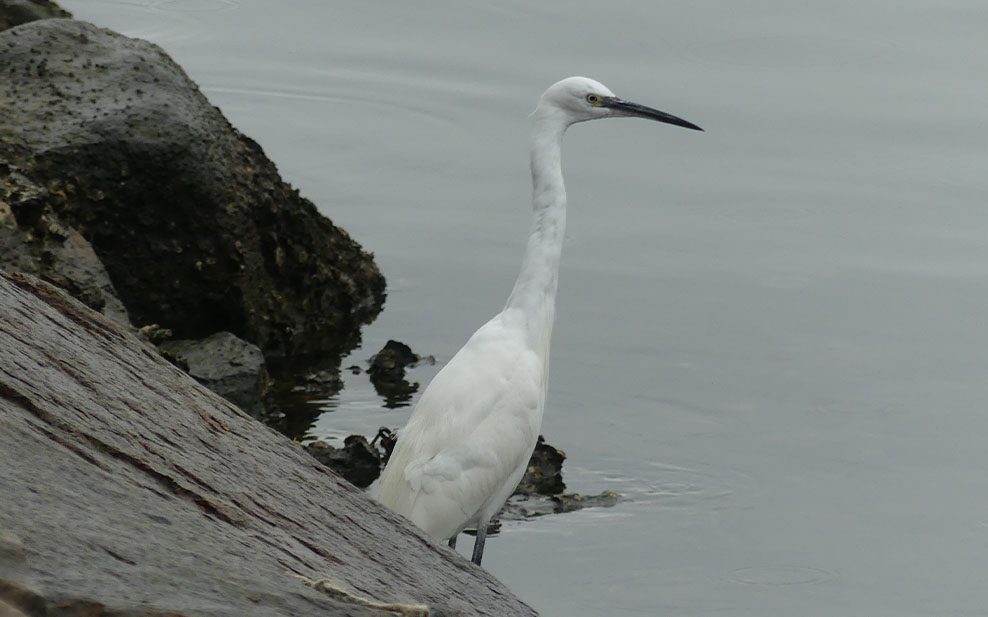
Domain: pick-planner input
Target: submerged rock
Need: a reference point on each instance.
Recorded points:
(541, 490)
(387, 373)
(575, 501)
(520, 507)
(108, 144)
(299, 393)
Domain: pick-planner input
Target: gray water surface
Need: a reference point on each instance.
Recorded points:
(772, 336)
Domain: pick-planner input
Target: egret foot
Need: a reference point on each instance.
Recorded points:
(478, 545)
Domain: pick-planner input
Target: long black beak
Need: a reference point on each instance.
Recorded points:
(627, 108)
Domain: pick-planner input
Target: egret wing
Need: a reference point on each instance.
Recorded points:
(472, 430)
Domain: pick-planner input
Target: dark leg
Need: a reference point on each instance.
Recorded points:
(478, 545)
(452, 542)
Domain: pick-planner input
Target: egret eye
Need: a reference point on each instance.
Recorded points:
(593, 99)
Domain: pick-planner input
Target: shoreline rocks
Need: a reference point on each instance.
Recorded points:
(106, 144)
(123, 185)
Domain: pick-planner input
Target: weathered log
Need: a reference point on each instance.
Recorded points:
(126, 488)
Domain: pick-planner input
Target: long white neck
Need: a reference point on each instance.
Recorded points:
(533, 298)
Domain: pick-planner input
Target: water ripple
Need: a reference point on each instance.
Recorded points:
(777, 575)
(181, 6)
(674, 486)
(336, 99)
(855, 408)
(789, 50)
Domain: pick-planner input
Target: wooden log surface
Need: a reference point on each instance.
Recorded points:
(128, 489)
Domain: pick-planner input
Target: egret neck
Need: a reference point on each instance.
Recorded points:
(532, 300)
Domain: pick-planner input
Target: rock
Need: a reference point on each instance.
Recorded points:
(357, 461)
(154, 334)
(544, 475)
(227, 365)
(130, 489)
(385, 441)
(521, 507)
(391, 361)
(16, 12)
(34, 240)
(540, 491)
(322, 382)
(191, 221)
(387, 373)
(574, 501)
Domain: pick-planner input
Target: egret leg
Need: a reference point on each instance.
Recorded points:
(452, 542)
(478, 545)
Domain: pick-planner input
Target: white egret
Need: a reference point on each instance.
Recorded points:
(469, 439)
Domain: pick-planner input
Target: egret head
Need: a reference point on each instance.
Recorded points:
(578, 99)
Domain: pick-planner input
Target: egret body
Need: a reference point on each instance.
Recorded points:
(469, 439)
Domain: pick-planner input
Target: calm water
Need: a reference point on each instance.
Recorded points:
(773, 336)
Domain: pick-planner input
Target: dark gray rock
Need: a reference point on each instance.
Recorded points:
(192, 222)
(16, 12)
(575, 501)
(128, 489)
(521, 507)
(357, 461)
(34, 240)
(385, 442)
(387, 373)
(544, 475)
(227, 365)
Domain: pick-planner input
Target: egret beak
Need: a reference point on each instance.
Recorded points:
(622, 107)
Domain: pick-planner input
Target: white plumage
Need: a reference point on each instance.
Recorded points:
(469, 439)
